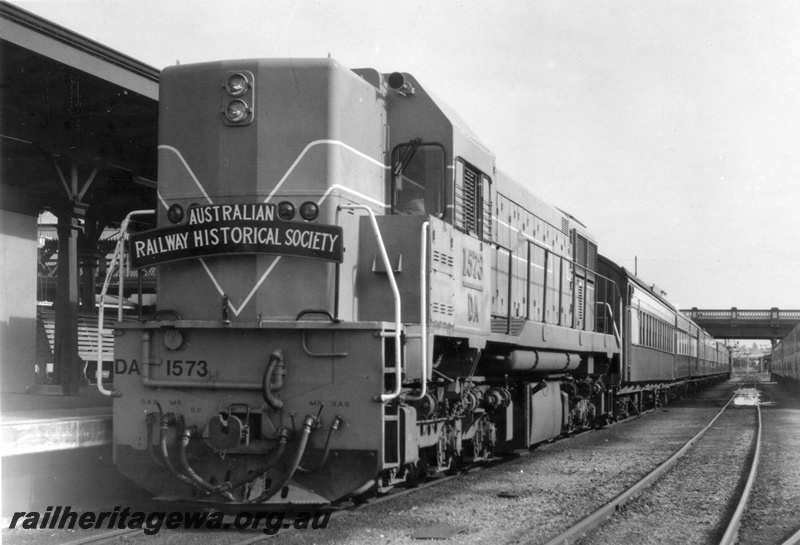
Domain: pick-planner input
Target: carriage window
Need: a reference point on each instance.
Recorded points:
(418, 179)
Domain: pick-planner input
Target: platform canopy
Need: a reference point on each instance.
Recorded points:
(71, 107)
(78, 138)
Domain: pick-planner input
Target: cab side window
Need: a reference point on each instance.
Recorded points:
(418, 179)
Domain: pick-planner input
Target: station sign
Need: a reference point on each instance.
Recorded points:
(222, 229)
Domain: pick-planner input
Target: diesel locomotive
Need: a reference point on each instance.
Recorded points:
(351, 296)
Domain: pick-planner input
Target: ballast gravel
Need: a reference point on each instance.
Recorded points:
(534, 497)
(773, 514)
(692, 502)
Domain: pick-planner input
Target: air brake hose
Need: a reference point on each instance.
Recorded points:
(186, 436)
(308, 424)
(151, 421)
(326, 451)
(275, 360)
(165, 455)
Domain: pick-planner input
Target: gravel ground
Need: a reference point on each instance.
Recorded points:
(546, 490)
(694, 500)
(550, 488)
(773, 514)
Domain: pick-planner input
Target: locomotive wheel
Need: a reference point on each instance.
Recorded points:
(456, 465)
(414, 475)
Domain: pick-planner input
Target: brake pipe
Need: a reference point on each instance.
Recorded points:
(165, 423)
(308, 425)
(326, 450)
(150, 420)
(150, 382)
(186, 437)
(275, 361)
(398, 364)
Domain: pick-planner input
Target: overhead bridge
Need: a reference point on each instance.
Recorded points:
(734, 323)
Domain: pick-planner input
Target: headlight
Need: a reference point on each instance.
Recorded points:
(237, 98)
(285, 210)
(309, 210)
(236, 85)
(236, 111)
(175, 213)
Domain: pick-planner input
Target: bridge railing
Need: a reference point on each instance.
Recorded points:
(773, 314)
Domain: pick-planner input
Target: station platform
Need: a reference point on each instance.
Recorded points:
(57, 450)
(46, 421)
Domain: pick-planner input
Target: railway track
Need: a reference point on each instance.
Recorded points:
(106, 537)
(234, 537)
(662, 502)
(401, 518)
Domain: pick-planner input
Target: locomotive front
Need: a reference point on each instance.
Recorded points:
(243, 387)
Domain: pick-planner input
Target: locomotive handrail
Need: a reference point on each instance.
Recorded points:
(611, 314)
(317, 311)
(308, 351)
(398, 363)
(119, 254)
(423, 311)
(305, 340)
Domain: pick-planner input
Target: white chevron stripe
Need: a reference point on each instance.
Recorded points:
(237, 310)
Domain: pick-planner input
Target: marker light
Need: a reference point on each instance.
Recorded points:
(175, 213)
(285, 210)
(236, 85)
(173, 339)
(309, 210)
(236, 111)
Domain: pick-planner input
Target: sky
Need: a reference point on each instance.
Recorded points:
(670, 128)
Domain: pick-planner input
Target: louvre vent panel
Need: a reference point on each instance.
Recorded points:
(487, 219)
(591, 258)
(470, 197)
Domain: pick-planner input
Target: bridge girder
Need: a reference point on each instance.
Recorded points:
(735, 323)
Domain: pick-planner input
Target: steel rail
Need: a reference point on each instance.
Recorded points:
(106, 536)
(570, 535)
(732, 532)
(372, 502)
(794, 540)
